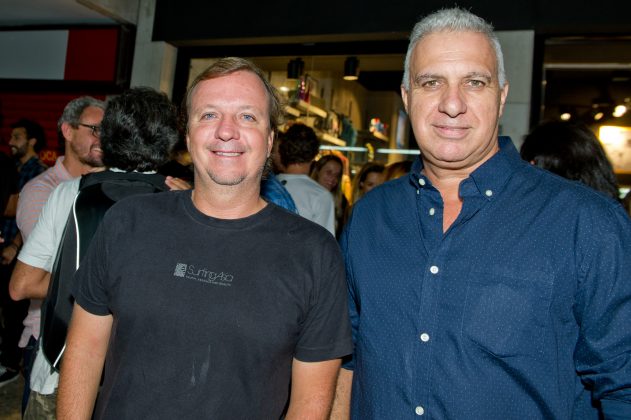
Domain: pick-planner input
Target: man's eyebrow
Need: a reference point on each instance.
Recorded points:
(478, 74)
(424, 76)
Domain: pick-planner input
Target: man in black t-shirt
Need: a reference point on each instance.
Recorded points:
(209, 303)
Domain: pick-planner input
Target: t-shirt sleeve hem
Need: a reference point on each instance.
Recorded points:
(36, 262)
(335, 351)
(94, 309)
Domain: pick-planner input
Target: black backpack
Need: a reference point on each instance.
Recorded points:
(97, 193)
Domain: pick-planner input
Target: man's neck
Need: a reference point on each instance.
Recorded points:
(447, 182)
(227, 202)
(298, 168)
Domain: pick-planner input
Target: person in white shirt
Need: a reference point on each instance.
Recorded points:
(298, 148)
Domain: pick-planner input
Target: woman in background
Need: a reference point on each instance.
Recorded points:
(327, 171)
(572, 151)
(368, 177)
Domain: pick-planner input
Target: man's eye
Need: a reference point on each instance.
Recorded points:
(249, 117)
(430, 84)
(208, 116)
(476, 83)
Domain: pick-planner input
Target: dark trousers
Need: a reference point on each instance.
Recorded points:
(13, 314)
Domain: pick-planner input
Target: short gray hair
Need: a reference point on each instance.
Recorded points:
(74, 109)
(453, 20)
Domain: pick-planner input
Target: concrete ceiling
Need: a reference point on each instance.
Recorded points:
(48, 12)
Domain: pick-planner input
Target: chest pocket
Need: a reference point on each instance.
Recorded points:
(506, 312)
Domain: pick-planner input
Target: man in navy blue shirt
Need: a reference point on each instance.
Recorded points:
(482, 287)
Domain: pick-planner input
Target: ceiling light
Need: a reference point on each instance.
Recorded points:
(351, 68)
(565, 116)
(619, 111)
(598, 116)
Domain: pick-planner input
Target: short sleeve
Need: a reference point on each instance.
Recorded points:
(90, 281)
(326, 330)
(41, 245)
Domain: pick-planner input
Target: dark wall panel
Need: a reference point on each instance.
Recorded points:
(187, 20)
(197, 19)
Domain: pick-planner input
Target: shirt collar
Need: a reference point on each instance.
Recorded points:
(487, 180)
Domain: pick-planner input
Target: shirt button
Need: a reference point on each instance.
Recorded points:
(488, 193)
(419, 410)
(424, 337)
(432, 211)
(433, 269)
(421, 181)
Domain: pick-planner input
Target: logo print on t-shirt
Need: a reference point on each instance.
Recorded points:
(204, 275)
(180, 270)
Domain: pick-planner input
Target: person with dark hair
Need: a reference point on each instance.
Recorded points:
(178, 294)
(78, 128)
(140, 137)
(149, 119)
(298, 149)
(27, 139)
(497, 290)
(369, 176)
(327, 171)
(571, 150)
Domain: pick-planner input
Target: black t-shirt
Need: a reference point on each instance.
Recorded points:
(209, 313)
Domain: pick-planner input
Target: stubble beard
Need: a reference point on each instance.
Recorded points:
(235, 180)
(91, 161)
(17, 152)
(88, 159)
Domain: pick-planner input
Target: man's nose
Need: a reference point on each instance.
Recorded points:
(453, 102)
(227, 129)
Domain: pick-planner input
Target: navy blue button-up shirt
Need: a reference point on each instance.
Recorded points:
(522, 309)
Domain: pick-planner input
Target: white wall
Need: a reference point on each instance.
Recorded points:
(518, 47)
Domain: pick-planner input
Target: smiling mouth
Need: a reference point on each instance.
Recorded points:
(228, 154)
(451, 131)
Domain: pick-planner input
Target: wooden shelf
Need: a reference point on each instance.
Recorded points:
(292, 111)
(310, 109)
(366, 134)
(334, 140)
(380, 136)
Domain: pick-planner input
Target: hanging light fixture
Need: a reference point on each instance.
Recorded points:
(295, 68)
(351, 68)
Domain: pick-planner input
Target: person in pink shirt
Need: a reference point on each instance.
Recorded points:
(79, 126)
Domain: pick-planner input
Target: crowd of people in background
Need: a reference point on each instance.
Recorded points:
(211, 225)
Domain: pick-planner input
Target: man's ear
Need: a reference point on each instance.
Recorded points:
(66, 131)
(503, 95)
(404, 96)
(270, 142)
